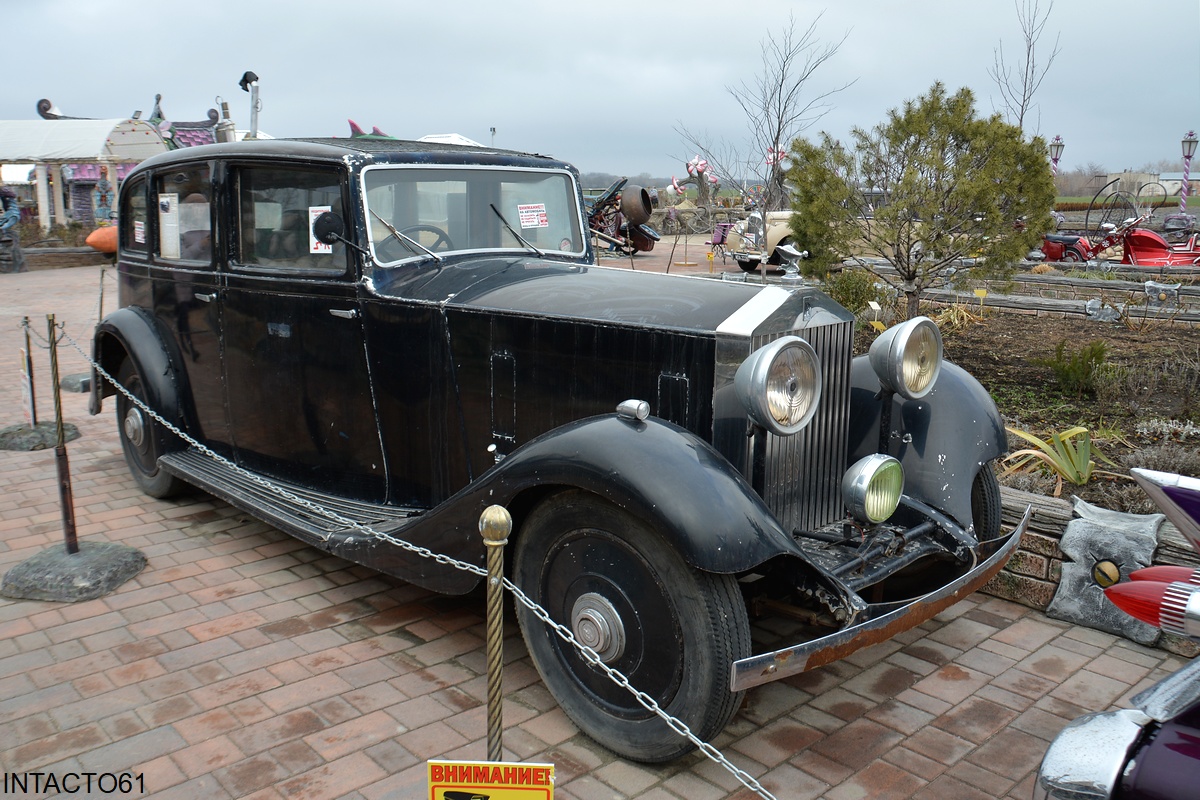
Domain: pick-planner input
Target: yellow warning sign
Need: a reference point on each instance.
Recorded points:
(490, 780)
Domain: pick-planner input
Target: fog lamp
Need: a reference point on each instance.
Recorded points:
(908, 357)
(871, 488)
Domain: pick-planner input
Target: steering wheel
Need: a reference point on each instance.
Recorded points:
(442, 236)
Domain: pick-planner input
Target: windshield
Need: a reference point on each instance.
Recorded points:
(450, 209)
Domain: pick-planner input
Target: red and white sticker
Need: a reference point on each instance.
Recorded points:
(533, 215)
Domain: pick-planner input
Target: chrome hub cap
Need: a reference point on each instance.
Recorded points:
(596, 624)
(135, 427)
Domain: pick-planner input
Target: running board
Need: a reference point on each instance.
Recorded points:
(288, 515)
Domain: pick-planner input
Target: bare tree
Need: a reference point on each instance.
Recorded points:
(777, 109)
(1017, 87)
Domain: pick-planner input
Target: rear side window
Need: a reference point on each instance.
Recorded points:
(185, 214)
(134, 220)
(276, 207)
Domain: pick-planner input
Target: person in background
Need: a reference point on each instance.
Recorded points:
(11, 258)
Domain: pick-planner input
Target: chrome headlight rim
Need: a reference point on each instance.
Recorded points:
(872, 487)
(902, 360)
(786, 370)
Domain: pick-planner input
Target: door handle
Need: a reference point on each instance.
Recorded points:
(344, 313)
(207, 298)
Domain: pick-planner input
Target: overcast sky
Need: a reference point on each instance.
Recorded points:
(602, 85)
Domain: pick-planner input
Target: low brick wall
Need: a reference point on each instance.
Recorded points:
(61, 257)
(1031, 576)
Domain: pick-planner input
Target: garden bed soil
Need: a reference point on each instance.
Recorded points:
(1142, 408)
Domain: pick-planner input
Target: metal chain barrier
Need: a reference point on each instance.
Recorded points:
(588, 654)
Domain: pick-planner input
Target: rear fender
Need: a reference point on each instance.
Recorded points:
(942, 440)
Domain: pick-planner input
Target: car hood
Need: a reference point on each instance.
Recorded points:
(574, 291)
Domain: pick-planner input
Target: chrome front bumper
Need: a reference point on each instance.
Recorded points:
(767, 667)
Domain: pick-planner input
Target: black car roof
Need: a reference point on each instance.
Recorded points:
(361, 151)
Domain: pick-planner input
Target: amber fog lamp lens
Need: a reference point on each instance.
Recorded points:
(872, 487)
(780, 385)
(1105, 574)
(908, 357)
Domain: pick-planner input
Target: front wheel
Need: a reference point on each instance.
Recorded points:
(776, 256)
(142, 438)
(986, 504)
(621, 588)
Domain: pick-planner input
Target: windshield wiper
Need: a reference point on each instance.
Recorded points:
(520, 238)
(411, 244)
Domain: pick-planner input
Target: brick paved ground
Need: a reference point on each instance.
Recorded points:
(243, 664)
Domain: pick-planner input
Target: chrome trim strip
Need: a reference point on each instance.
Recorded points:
(754, 312)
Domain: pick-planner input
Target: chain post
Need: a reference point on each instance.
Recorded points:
(589, 655)
(66, 500)
(29, 376)
(495, 523)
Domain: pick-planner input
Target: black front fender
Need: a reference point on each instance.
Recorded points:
(130, 333)
(655, 470)
(942, 440)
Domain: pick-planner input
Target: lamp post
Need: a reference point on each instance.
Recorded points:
(1056, 148)
(1189, 150)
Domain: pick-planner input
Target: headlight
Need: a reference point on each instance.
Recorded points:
(871, 488)
(908, 357)
(780, 384)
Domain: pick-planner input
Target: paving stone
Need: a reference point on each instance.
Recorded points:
(242, 663)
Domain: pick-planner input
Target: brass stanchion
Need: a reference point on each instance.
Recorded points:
(495, 523)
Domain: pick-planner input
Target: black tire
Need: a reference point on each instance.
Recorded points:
(748, 266)
(587, 561)
(985, 504)
(776, 257)
(142, 438)
(1071, 257)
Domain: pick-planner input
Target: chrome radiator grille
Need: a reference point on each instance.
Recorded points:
(802, 484)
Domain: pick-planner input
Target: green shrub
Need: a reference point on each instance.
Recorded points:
(1068, 455)
(1076, 370)
(854, 289)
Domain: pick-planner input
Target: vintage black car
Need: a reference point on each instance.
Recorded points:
(406, 333)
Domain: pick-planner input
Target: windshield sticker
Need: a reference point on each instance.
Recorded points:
(533, 215)
(139, 231)
(313, 245)
(168, 224)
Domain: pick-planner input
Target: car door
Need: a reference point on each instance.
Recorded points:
(177, 225)
(299, 391)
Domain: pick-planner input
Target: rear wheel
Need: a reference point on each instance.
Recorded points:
(142, 438)
(621, 588)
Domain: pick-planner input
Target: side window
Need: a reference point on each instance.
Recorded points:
(133, 218)
(276, 207)
(185, 214)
